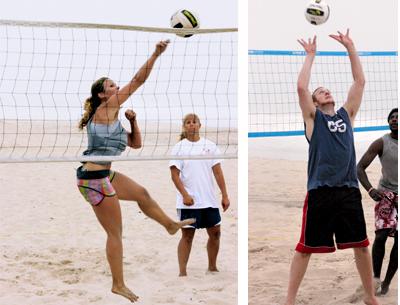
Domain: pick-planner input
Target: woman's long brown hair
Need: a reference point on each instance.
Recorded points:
(92, 102)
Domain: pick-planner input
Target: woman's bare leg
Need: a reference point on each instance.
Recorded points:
(127, 189)
(184, 247)
(108, 213)
(214, 234)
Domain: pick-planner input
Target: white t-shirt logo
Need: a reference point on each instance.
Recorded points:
(339, 126)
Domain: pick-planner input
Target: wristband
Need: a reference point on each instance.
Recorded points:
(370, 189)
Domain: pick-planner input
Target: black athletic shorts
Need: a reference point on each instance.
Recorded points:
(332, 212)
(205, 218)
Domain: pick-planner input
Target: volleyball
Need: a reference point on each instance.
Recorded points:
(184, 19)
(317, 12)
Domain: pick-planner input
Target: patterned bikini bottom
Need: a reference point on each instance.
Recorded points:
(95, 185)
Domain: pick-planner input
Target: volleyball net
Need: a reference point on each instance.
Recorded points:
(273, 100)
(47, 69)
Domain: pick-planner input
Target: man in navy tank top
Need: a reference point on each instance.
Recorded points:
(332, 213)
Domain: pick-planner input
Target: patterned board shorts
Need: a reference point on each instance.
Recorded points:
(386, 212)
(95, 185)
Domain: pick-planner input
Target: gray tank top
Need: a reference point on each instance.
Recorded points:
(105, 140)
(389, 180)
(331, 153)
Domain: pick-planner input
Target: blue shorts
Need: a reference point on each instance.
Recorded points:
(205, 218)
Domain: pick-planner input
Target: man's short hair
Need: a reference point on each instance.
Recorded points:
(391, 112)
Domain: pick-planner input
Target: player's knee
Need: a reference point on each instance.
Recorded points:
(143, 194)
(188, 238)
(114, 234)
(380, 239)
(215, 235)
(304, 255)
(362, 250)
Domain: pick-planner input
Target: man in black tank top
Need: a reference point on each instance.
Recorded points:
(332, 208)
(385, 197)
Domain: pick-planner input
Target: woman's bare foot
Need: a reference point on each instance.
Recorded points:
(125, 292)
(212, 270)
(175, 226)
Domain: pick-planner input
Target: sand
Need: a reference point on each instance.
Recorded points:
(52, 247)
(277, 188)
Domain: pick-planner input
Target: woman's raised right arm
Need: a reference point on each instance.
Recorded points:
(140, 77)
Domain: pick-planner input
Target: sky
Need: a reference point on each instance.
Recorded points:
(153, 13)
(274, 26)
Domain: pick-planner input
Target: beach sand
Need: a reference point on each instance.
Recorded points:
(277, 188)
(52, 248)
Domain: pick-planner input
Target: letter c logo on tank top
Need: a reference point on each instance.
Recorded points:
(338, 126)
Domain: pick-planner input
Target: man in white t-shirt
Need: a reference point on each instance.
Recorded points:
(196, 198)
